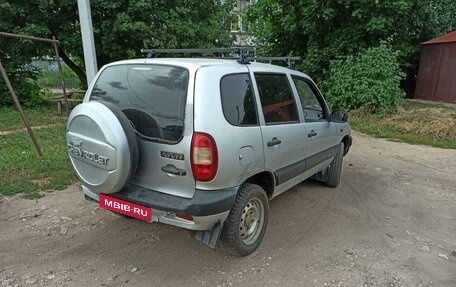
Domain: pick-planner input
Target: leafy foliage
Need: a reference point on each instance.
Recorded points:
(370, 79)
(321, 31)
(121, 28)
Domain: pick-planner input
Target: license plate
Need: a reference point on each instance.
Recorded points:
(125, 207)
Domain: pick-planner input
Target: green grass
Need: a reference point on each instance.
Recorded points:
(414, 123)
(21, 169)
(10, 120)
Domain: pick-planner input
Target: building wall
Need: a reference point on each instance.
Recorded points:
(437, 73)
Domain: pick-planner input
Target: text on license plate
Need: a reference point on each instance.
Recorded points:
(125, 207)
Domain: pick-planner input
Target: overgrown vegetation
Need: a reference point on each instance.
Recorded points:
(370, 79)
(415, 123)
(22, 170)
(121, 28)
(326, 32)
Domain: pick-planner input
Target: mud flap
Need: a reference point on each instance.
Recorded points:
(88, 198)
(321, 175)
(210, 237)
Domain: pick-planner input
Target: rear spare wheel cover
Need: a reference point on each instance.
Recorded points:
(102, 154)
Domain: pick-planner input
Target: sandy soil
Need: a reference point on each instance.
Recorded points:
(392, 222)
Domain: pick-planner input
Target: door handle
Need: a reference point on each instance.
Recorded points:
(311, 134)
(169, 168)
(274, 142)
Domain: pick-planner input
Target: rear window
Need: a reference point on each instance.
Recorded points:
(151, 96)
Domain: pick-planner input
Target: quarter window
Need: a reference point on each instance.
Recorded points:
(237, 100)
(276, 98)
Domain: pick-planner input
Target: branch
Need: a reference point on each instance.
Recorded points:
(72, 65)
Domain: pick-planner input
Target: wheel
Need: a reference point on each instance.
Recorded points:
(246, 224)
(335, 168)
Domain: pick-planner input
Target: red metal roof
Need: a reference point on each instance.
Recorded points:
(447, 38)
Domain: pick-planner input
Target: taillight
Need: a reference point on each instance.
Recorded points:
(204, 157)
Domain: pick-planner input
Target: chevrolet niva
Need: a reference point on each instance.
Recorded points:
(203, 144)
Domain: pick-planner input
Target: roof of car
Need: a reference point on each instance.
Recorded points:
(202, 62)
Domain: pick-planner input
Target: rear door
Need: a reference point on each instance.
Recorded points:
(157, 99)
(283, 133)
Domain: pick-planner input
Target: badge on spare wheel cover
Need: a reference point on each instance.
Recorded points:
(75, 148)
(75, 141)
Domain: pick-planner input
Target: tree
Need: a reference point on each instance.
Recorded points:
(121, 28)
(321, 31)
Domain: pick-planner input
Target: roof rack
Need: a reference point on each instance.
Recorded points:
(241, 54)
(289, 60)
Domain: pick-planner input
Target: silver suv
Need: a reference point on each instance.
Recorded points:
(203, 144)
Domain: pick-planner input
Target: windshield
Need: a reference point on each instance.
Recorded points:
(151, 96)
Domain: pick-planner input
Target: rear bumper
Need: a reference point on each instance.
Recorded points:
(207, 207)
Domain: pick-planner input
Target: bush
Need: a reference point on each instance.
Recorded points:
(371, 80)
(26, 88)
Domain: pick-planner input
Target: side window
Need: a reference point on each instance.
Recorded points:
(311, 106)
(237, 100)
(276, 98)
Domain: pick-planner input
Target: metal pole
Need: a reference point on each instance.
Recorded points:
(19, 108)
(88, 43)
(62, 80)
(9, 35)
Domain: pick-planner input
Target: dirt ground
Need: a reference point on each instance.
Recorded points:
(391, 222)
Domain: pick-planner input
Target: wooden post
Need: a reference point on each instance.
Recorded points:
(62, 80)
(19, 108)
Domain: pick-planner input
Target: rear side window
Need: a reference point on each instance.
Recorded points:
(152, 97)
(237, 100)
(276, 98)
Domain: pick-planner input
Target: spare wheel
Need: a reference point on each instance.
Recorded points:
(102, 146)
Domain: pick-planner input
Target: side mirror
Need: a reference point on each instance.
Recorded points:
(339, 116)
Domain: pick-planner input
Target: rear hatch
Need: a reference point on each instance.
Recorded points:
(158, 101)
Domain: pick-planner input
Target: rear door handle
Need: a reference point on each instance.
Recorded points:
(311, 134)
(274, 142)
(169, 168)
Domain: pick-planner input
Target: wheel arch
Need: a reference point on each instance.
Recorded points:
(346, 140)
(265, 179)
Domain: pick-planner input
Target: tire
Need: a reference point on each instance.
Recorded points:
(246, 224)
(335, 168)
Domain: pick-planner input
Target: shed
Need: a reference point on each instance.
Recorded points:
(437, 72)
